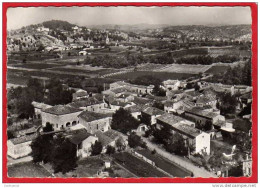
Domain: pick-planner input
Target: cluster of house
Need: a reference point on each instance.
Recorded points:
(88, 117)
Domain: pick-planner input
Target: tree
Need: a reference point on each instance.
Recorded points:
(110, 150)
(96, 148)
(48, 127)
(158, 91)
(41, 147)
(177, 145)
(10, 134)
(135, 141)
(64, 155)
(123, 121)
(120, 144)
(228, 103)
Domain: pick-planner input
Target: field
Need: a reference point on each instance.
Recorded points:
(165, 165)
(137, 166)
(150, 67)
(27, 169)
(161, 75)
(36, 65)
(215, 69)
(214, 52)
(184, 68)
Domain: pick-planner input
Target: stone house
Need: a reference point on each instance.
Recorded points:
(60, 116)
(94, 122)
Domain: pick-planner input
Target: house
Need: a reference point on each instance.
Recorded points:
(125, 97)
(136, 110)
(105, 141)
(116, 105)
(25, 132)
(79, 94)
(83, 140)
(173, 84)
(38, 107)
(94, 122)
(138, 89)
(21, 146)
(196, 138)
(246, 99)
(202, 116)
(206, 100)
(178, 106)
(151, 113)
(95, 103)
(60, 116)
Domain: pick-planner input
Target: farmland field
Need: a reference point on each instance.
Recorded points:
(184, 68)
(214, 52)
(215, 69)
(28, 169)
(137, 166)
(36, 65)
(161, 75)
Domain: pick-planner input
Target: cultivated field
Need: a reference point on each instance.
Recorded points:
(137, 166)
(184, 68)
(214, 52)
(161, 75)
(27, 169)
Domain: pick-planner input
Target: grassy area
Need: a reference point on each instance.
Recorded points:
(27, 169)
(137, 166)
(217, 69)
(160, 75)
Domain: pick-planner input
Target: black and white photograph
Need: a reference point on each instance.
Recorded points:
(129, 92)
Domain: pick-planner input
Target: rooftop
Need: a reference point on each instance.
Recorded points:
(201, 112)
(61, 110)
(23, 139)
(187, 130)
(135, 108)
(40, 105)
(170, 119)
(92, 116)
(104, 139)
(119, 103)
(113, 134)
(79, 137)
(153, 111)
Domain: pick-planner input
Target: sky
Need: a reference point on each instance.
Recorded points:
(84, 16)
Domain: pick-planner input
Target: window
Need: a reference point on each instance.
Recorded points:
(97, 126)
(57, 125)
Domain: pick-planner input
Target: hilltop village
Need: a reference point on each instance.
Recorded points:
(103, 103)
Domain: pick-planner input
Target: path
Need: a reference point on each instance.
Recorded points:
(185, 163)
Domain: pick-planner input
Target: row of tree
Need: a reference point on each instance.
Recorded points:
(20, 99)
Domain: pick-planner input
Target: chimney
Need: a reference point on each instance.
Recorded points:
(247, 157)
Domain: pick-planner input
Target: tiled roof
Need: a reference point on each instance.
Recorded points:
(204, 99)
(113, 134)
(92, 116)
(202, 113)
(97, 99)
(153, 111)
(78, 138)
(170, 119)
(187, 130)
(105, 140)
(23, 139)
(40, 105)
(135, 108)
(141, 100)
(119, 103)
(61, 110)
(193, 93)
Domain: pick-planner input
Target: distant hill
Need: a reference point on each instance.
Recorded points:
(58, 24)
